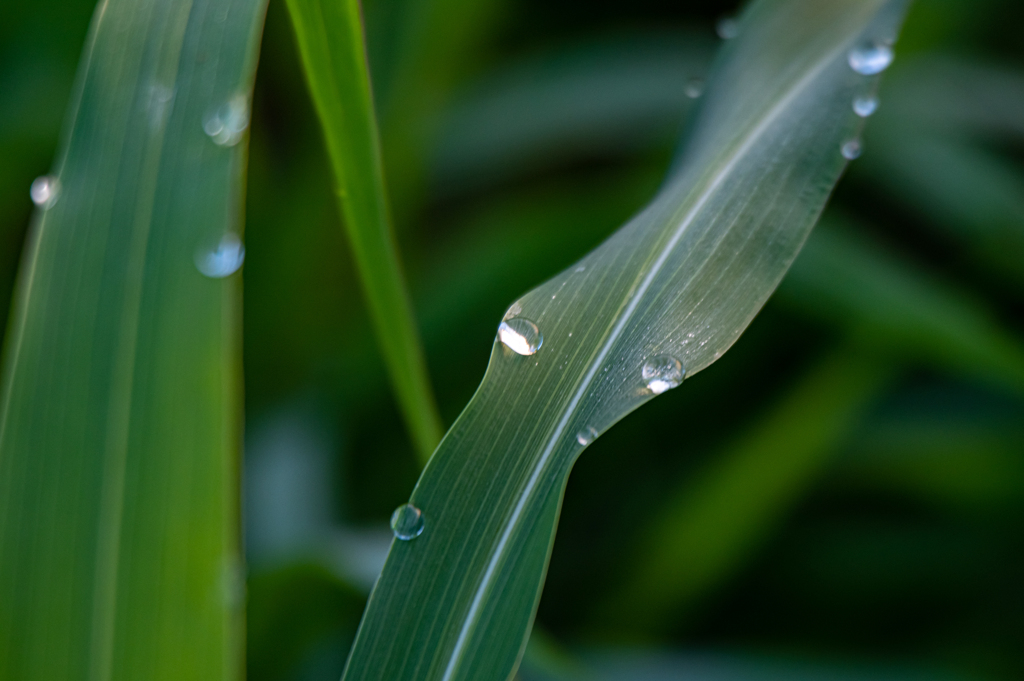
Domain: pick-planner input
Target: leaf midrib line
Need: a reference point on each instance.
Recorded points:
(616, 332)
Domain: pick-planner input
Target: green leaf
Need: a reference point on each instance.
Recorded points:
(846, 279)
(330, 38)
(682, 279)
(120, 422)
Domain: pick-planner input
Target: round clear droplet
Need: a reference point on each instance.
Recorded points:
(727, 28)
(44, 191)
(870, 58)
(586, 436)
(222, 260)
(520, 335)
(407, 522)
(851, 149)
(226, 123)
(662, 373)
(865, 106)
(694, 88)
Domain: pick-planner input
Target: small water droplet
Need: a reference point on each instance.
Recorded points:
(851, 150)
(227, 123)
(581, 268)
(407, 522)
(694, 88)
(44, 191)
(520, 335)
(158, 104)
(222, 260)
(727, 28)
(662, 373)
(586, 436)
(870, 58)
(865, 106)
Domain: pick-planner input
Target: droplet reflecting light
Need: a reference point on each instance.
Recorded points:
(227, 123)
(662, 373)
(851, 150)
(44, 191)
(224, 259)
(586, 436)
(407, 522)
(865, 106)
(870, 58)
(520, 335)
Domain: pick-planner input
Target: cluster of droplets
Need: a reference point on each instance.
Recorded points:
(223, 259)
(227, 123)
(44, 191)
(868, 58)
(407, 522)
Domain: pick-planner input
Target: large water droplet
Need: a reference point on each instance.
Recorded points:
(520, 335)
(865, 106)
(694, 88)
(851, 149)
(407, 522)
(226, 123)
(870, 58)
(222, 260)
(662, 373)
(44, 191)
(727, 28)
(586, 436)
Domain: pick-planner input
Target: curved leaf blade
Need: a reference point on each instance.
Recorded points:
(121, 413)
(683, 278)
(330, 39)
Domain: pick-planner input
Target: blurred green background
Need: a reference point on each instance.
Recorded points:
(840, 497)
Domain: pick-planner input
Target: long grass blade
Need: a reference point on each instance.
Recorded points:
(330, 38)
(674, 288)
(120, 421)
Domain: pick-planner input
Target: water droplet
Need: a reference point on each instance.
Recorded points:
(662, 373)
(222, 260)
(694, 88)
(227, 123)
(727, 28)
(586, 436)
(865, 106)
(870, 58)
(581, 268)
(407, 522)
(851, 149)
(44, 191)
(520, 335)
(159, 104)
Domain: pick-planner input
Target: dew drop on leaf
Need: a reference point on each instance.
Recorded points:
(870, 58)
(407, 522)
(586, 436)
(226, 123)
(851, 149)
(222, 260)
(520, 335)
(694, 88)
(865, 106)
(44, 191)
(662, 373)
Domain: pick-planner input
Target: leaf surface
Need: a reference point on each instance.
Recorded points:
(330, 38)
(120, 422)
(680, 280)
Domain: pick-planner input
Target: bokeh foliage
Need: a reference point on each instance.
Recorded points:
(897, 553)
